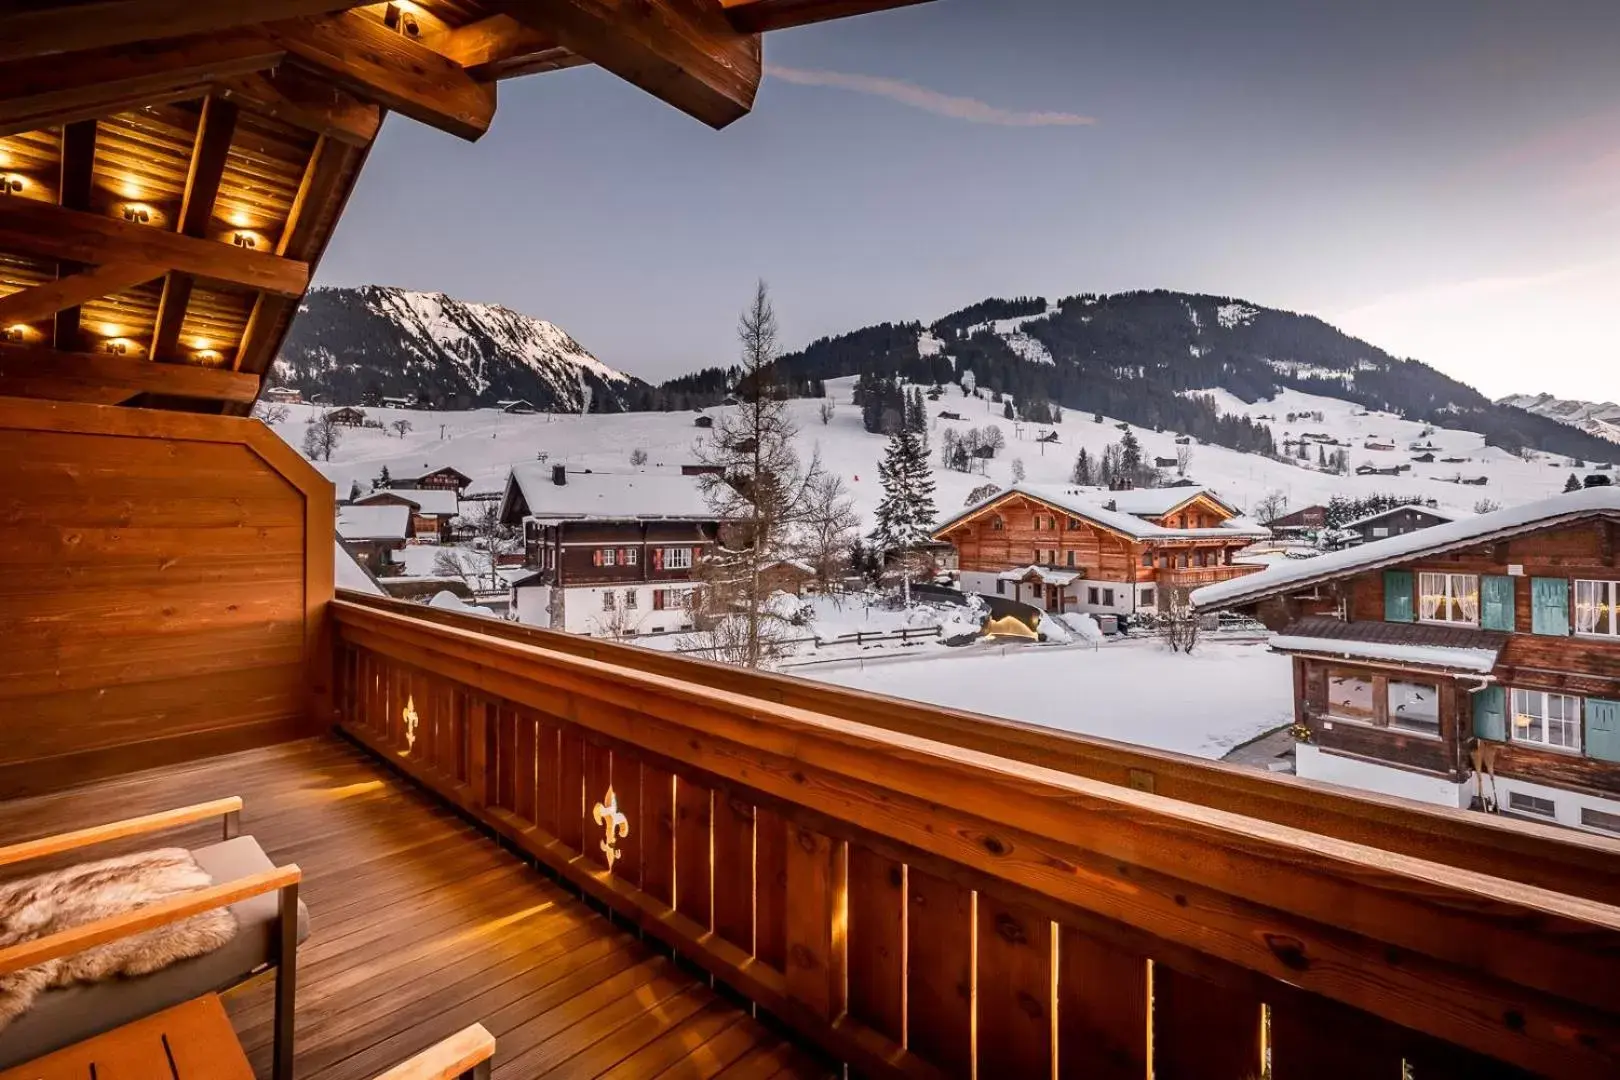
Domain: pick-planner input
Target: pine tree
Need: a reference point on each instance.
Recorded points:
(1007, 412)
(1130, 456)
(1321, 457)
(1082, 469)
(1573, 483)
(906, 513)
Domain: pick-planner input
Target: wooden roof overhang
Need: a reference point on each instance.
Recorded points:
(171, 170)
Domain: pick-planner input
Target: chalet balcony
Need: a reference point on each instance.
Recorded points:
(630, 864)
(1194, 576)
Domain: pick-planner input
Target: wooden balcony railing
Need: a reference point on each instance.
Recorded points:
(1193, 576)
(916, 903)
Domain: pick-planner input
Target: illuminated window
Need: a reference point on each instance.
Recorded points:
(1547, 719)
(1449, 598)
(1597, 608)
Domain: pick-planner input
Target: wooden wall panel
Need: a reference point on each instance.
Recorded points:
(163, 579)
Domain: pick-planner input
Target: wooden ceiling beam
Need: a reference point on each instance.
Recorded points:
(301, 99)
(763, 16)
(53, 232)
(52, 90)
(684, 51)
(488, 41)
(216, 127)
(382, 65)
(111, 380)
(43, 301)
(111, 23)
(76, 179)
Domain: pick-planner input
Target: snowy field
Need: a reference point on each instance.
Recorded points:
(484, 443)
(1205, 704)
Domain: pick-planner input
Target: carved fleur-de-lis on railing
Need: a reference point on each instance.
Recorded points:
(606, 814)
(409, 715)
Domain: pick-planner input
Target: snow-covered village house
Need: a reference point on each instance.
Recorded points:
(611, 554)
(1475, 663)
(1063, 548)
(1396, 521)
(432, 509)
(375, 535)
(411, 474)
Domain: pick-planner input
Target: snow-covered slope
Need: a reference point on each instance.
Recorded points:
(1595, 418)
(485, 443)
(379, 342)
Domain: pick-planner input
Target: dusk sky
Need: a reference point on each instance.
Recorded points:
(1441, 178)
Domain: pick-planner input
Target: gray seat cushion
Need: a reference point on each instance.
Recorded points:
(63, 1017)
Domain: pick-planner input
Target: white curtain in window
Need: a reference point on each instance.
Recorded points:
(1465, 589)
(1586, 607)
(1433, 598)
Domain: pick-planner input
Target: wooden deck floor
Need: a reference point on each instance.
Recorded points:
(422, 925)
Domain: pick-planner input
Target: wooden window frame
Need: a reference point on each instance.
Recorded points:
(1612, 602)
(672, 560)
(1449, 597)
(1514, 727)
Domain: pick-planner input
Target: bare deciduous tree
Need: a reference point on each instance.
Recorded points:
(1183, 459)
(826, 412)
(1273, 506)
(829, 529)
(759, 490)
(321, 437)
(1178, 623)
(401, 428)
(269, 413)
(1018, 470)
(490, 540)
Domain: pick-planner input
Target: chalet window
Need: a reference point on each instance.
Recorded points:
(1091, 595)
(1071, 558)
(607, 600)
(1147, 559)
(1380, 531)
(629, 599)
(1074, 524)
(628, 556)
(1545, 719)
(1350, 697)
(679, 558)
(1597, 608)
(606, 556)
(1414, 707)
(1108, 598)
(1147, 597)
(996, 524)
(1521, 803)
(1597, 819)
(1001, 587)
(1448, 598)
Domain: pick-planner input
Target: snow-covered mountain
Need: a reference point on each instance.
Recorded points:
(1595, 418)
(374, 342)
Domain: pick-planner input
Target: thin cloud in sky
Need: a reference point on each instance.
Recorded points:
(972, 110)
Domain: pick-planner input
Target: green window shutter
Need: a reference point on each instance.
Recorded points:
(1549, 606)
(1490, 713)
(1397, 596)
(1496, 603)
(1603, 729)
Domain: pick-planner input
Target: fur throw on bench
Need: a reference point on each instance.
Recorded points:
(36, 907)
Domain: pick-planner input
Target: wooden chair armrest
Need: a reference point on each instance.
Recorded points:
(78, 938)
(117, 830)
(461, 1053)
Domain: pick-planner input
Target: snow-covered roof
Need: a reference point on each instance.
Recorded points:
(1431, 511)
(1092, 505)
(414, 468)
(1480, 660)
(445, 600)
(1465, 532)
(606, 495)
(440, 501)
(351, 575)
(1156, 502)
(373, 522)
(1046, 575)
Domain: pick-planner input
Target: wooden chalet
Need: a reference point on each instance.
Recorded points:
(433, 509)
(376, 534)
(1473, 663)
(851, 883)
(1396, 521)
(416, 475)
(1104, 552)
(613, 554)
(1298, 522)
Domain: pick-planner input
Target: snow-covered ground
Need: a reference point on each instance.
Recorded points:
(485, 443)
(1136, 691)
